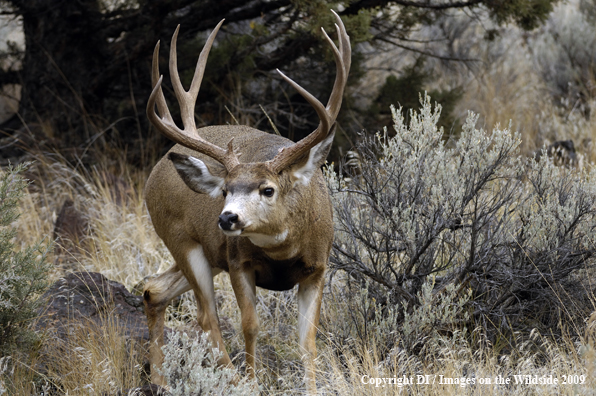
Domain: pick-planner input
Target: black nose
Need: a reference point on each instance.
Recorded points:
(226, 220)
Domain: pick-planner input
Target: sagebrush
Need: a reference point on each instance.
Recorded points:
(190, 368)
(513, 233)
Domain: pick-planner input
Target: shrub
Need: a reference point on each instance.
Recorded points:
(472, 213)
(23, 274)
(190, 368)
(564, 53)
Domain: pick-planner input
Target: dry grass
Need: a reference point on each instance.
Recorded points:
(124, 247)
(511, 92)
(93, 359)
(90, 359)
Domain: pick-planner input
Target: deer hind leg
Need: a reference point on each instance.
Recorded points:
(310, 294)
(157, 295)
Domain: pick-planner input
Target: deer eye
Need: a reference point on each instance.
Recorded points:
(224, 193)
(268, 192)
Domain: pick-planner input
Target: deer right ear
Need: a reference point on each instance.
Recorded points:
(316, 158)
(196, 175)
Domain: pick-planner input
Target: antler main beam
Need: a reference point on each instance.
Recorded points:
(327, 115)
(189, 136)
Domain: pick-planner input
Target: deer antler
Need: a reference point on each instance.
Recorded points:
(188, 137)
(327, 114)
(187, 100)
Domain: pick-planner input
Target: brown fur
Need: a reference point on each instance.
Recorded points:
(185, 219)
(277, 215)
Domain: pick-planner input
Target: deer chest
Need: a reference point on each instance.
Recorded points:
(280, 275)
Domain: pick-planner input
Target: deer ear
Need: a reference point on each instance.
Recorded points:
(196, 175)
(304, 170)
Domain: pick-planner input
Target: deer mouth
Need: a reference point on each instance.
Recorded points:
(232, 232)
(239, 229)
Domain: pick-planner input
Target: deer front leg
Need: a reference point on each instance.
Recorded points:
(202, 274)
(310, 293)
(243, 283)
(157, 294)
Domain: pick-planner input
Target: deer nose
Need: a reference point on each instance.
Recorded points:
(227, 220)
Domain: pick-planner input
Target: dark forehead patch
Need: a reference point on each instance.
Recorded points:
(243, 187)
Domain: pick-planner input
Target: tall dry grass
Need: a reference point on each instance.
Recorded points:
(93, 359)
(123, 246)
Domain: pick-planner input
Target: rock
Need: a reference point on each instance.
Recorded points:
(563, 154)
(81, 297)
(88, 300)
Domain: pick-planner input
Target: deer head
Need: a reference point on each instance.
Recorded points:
(256, 193)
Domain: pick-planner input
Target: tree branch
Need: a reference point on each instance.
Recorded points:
(354, 8)
(426, 53)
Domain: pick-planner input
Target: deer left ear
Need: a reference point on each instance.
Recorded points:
(304, 171)
(196, 175)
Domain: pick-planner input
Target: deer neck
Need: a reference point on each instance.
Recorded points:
(283, 245)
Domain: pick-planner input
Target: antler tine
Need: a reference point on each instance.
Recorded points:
(314, 102)
(156, 81)
(292, 153)
(187, 101)
(343, 58)
(327, 114)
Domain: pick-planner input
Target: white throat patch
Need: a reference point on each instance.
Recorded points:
(266, 241)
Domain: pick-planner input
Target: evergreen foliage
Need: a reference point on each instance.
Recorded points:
(23, 274)
(403, 91)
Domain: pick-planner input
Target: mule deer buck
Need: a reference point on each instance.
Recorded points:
(258, 209)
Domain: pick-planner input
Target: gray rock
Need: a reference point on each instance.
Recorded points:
(80, 297)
